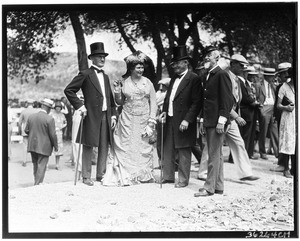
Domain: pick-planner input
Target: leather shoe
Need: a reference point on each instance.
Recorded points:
(180, 185)
(203, 193)
(287, 174)
(219, 191)
(263, 156)
(98, 179)
(278, 168)
(88, 182)
(249, 178)
(163, 181)
(254, 157)
(201, 178)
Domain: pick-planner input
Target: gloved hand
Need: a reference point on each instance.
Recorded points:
(148, 131)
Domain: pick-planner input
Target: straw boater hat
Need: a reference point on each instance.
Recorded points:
(47, 102)
(165, 81)
(269, 71)
(251, 70)
(239, 58)
(283, 67)
(97, 48)
(30, 101)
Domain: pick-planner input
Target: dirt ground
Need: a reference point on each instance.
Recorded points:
(59, 206)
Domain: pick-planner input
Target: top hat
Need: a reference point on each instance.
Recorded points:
(47, 102)
(97, 48)
(207, 50)
(283, 67)
(179, 53)
(269, 71)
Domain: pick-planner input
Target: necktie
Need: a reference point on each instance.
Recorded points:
(269, 90)
(179, 76)
(98, 70)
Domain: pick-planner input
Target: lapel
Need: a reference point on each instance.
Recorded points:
(94, 80)
(263, 89)
(182, 84)
(213, 72)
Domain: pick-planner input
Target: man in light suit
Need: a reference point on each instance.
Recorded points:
(218, 102)
(40, 129)
(99, 110)
(180, 109)
(265, 94)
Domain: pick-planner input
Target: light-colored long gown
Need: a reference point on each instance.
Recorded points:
(287, 128)
(131, 160)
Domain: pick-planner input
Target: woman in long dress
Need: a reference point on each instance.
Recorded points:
(287, 128)
(131, 161)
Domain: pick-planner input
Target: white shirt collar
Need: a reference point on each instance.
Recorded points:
(96, 67)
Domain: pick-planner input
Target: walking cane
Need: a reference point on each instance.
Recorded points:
(80, 140)
(161, 152)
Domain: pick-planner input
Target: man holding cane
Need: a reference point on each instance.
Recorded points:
(99, 110)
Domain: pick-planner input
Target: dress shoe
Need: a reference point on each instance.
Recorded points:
(98, 179)
(249, 178)
(219, 191)
(163, 181)
(88, 182)
(287, 174)
(180, 185)
(203, 193)
(24, 164)
(278, 168)
(263, 156)
(201, 178)
(254, 157)
(216, 191)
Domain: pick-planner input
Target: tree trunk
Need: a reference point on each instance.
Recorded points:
(124, 36)
(81, 47)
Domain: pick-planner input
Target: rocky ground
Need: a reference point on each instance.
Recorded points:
(59, 206)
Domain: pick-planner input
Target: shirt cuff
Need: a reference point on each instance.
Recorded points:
(222, 120)
(114, 117)
(201, 120)
(81, 108)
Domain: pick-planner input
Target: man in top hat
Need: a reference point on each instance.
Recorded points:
(22, 124)
(180, 109)
(282, 75)
(99, 110)
(265, 94)
(42, 138)
(217, 104)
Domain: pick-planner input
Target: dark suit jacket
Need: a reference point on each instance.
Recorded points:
(41, 133)
(247, 106)
(261, 92)
(186, 106)
(88, 82)
(218, 98)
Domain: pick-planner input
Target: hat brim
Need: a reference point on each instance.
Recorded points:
(178, 59)
(89, 56)
(269, 74)
(46, 104)
(282, 70)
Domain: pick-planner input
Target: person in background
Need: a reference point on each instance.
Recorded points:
(248, 109)
(265, 94)
(99, 109)
(180, 110)
(287, 129)
(132, 162)
(60, 124)
(40, 129)
(218, 102)
(68, 112)
(75, 146)
(160, 97)
(282, 76)
(22, 124)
